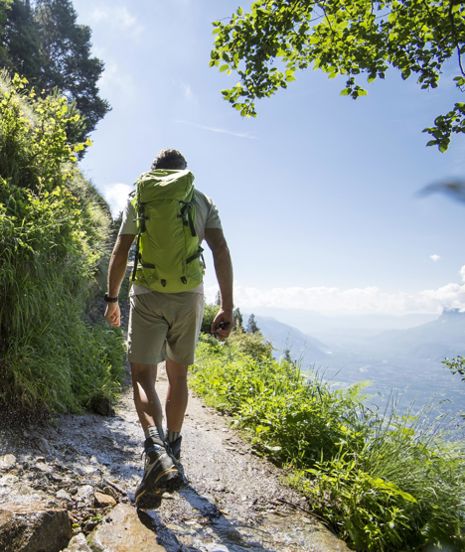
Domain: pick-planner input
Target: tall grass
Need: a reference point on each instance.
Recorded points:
(381, 484)
(54, 232)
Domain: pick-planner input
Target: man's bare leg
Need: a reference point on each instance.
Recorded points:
(160, 471)
(177, 396)
(146, 400)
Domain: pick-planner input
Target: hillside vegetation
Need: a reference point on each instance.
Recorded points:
(54, 229)
(381, 484)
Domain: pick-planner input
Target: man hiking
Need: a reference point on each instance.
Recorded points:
(169, 219)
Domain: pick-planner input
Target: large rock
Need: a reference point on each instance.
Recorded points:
(33, 528)
(122, 531)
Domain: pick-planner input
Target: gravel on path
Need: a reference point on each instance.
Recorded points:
(234, 500)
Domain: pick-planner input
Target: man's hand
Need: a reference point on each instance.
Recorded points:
(222, 324)
(223, 321)
(113, 314)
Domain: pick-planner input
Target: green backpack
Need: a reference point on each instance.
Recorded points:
(168, 253)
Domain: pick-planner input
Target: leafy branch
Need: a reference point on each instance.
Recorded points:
(267, 45)
(456, 365)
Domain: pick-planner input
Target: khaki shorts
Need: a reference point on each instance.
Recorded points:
(164, 325)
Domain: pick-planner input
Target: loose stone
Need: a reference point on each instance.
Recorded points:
(63, 494)
(7, 461)
(103, 500)
(84, 492)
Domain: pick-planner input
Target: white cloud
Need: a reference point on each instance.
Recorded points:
(118, 17)
(435, 258)
(117, 85)
(218, 130)
(368, 300)
(116, 195)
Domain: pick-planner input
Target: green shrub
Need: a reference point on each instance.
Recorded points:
(53, 238)
(252, 345)
(395, 494)
(209, 314)
(380, 484)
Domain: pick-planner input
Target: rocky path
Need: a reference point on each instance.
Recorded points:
(86, 468)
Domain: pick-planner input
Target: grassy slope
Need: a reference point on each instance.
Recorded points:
(380, 484)
(54, 231)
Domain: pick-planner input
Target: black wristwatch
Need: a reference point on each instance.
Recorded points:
(109, 299)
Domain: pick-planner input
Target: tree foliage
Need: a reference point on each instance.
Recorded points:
(5, 6)
(238, 320)
(353, 38)
(252, 326)
(44, 43)
(21, 41)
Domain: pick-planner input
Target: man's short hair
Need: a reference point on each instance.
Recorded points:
(169, 159)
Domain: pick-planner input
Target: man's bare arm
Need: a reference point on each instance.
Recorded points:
(222, 324)
(116, 273)
(118, 263)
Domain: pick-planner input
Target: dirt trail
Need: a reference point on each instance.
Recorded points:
(234, 500)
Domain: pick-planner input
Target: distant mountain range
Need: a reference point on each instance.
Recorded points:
(435, 340)
(285, 337)
(342, 327)
(404, 363)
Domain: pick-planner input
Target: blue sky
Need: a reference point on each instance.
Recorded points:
(317, 195)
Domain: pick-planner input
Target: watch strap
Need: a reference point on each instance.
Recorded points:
(109, 299)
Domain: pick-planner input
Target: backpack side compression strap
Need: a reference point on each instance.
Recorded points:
(136, 258)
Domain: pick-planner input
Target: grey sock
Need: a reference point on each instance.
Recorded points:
(155, 432)
(172, 435)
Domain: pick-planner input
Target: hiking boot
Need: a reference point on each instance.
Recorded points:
(175, 447)
(175, 450)
(160, 474)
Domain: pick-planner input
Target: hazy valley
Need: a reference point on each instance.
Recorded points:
(403, 365)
